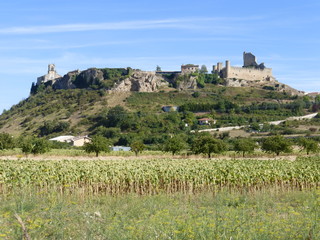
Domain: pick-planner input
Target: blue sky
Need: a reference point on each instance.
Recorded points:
(285, 35)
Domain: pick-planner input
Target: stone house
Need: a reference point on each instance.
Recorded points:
(189, 68)
(80, 141)
(74, 141)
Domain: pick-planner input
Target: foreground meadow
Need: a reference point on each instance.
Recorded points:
(160, 199)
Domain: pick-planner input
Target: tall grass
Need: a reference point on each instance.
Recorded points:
(266, 214)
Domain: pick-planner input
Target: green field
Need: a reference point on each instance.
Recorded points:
(160, 199)
(263, 214)
(152, 176)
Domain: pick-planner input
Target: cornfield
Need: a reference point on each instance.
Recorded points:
(159, 175)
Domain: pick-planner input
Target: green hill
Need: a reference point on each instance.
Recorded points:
(123, 116)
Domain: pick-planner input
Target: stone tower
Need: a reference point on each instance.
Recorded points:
(51, 76)
(249, 60)
(51, 68)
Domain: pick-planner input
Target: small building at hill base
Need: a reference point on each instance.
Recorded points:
(120, 148)
(74, 141)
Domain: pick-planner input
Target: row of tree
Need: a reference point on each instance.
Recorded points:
(208, 145)
(201, 144)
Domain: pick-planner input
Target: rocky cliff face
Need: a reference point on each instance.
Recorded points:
(89, 77)
(140, 82)
(269, 85)
(190, 83)
(66, 82)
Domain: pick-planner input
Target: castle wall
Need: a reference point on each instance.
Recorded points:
(248, 73)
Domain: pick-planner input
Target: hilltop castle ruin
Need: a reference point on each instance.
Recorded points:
(50, 76)
(250, 71)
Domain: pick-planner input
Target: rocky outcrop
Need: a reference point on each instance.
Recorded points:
(268, 85)
(89, 77)
(190, 83)
(140, 81)
(77, 79)
(66, 82)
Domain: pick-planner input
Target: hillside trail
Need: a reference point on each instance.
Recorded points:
(117, 98)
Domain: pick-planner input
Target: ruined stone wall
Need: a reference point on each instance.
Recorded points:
(248, 73)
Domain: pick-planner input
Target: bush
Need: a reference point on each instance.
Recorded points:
(35, 146)
(195, 94)
(6, 141)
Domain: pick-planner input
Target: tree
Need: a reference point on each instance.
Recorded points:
(208, 145)
(174, 145)
(158, 68)
(40, 146)
(35, 146)
(26, 147)
(6, 141)
(137, 147)
(308, 145)
(276, 144)
(98, 144)
(203, 69)
(244, 145)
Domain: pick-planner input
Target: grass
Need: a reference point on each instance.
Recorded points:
(78, 152)
(263, 214)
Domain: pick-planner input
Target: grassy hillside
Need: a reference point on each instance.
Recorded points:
(126, 116)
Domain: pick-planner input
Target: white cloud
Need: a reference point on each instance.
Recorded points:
(182, 23)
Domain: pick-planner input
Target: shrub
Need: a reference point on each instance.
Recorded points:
(6, 141)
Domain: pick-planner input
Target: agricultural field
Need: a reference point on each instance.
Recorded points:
(160, 198)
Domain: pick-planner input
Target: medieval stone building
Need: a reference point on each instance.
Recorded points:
(189, 68)
(51, 76)
(251, 70)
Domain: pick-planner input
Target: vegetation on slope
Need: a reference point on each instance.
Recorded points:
(140, 117)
